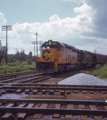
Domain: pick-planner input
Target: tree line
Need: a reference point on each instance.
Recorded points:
(21, 56)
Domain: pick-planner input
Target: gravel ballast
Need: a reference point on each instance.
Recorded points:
(83, 79)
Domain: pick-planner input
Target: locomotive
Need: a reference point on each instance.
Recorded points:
(59, 57)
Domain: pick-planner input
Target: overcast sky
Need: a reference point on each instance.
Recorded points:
(81, 23)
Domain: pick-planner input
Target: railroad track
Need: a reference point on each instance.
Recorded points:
(57, 108)
(65, 87)
(23, 85)
(26, 98)
(13, 75)
(51, 90)
(26, 79)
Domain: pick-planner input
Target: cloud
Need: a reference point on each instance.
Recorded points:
(54, 18)
(2, 19)
(66, 30)
(79, 31)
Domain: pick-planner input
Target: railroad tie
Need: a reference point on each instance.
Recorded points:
(81, 106)
(103, 92)
(10, 105)
(44, 91)
(56, 115)
(21, 105)
(92, 107)
(68, 92)
(27, 91)
(4, 91)
(51, 92)
(84, 92)
(105, 107)
(76, 91)
(92, 92)
(35, 92)
(98, 118)
(62, 92)
(84, 117)
(30, 105)
(57, 92)
(39, 115)
(69, 106)
(19, 91)
(43, 105)
(7, 115)
(23, 115)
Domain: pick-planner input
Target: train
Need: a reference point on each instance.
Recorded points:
(58, 57)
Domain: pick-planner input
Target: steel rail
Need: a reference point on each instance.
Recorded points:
(41, 84)
(8, 80)
(61, 101)
(55, 87)
(36, 79)
(53, 110)
(15, 74)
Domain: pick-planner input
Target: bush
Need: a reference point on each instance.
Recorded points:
(29, 61)
(3, 61)
(100, 71)
(98, 67)
(17, 67)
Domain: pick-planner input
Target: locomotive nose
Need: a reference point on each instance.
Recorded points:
(46, 55)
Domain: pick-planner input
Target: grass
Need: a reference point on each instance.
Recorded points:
(17, 67)
(100, 71)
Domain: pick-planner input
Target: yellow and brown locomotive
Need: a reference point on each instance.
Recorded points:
(57, 57)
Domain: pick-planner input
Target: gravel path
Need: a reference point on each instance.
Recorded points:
(83, 79)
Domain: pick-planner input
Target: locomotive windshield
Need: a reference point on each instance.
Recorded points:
(51, 44)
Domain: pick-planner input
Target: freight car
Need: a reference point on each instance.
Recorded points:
(59, 57)
(100, 59)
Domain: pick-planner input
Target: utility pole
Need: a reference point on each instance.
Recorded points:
(6, 28)
(34, 42)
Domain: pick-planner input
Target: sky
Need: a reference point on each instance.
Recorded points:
(80, 23)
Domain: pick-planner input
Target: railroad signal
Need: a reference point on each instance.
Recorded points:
(6, 28)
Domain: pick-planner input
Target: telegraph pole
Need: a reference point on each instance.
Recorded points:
(6, 28)
(36, 43)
